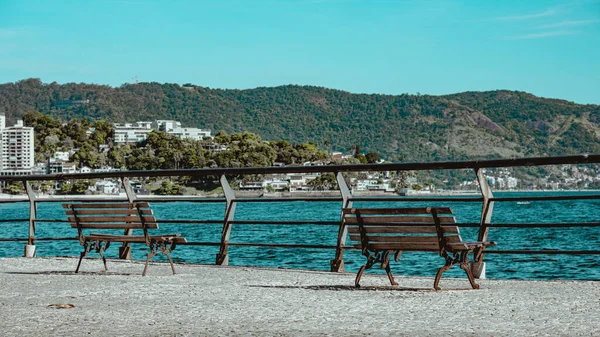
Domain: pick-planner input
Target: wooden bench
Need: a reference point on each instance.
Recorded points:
(380, 232)
(119, 216)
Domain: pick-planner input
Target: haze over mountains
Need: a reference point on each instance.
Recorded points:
(469, 125)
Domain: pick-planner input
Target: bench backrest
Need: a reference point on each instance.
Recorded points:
(407, 229)
(137, 215)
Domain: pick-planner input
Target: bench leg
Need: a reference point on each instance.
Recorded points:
(386, 265)
(464, 265)
(165, 251)
(101, 252)
(150, 255)
(81, 256)
(370, 262)
(359, 275)
(449, 263)
(439, 276)
(390, 276)
(86, 249)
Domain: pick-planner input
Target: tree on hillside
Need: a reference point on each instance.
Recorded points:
(372, 157)
(104, 132)
(76, 129)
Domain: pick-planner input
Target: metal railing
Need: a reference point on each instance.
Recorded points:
(487, 199)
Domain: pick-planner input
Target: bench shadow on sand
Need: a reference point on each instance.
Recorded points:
(65, 272)
(362, 288)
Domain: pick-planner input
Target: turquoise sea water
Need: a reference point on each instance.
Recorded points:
(425, 264)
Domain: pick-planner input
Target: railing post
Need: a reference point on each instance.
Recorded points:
(125, 249)
(337, 264)
(30, 247)
(222, 256)
(478, 266)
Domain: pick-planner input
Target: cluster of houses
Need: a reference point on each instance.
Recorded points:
(293, 182)
(501, 179)
(572, 177)
(569, 177)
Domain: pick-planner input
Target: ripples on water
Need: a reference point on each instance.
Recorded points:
(423, 264)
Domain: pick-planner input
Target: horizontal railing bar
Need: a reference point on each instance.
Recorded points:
(199, 243)
(455, 199)
(195, 221)
(544, 252)
(287, 199)
(50, 220)
(189, 221)
(71, 198)
(547, 197)
(543, 225)
(470, 164)
(318, 223)
(274, 245)
(183, 221)
(176, 199)
(238, 222)
(291, 199)
(280, 245)
(40, 239)
(288, 222)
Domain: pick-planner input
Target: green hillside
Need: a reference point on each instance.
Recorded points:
(416, 127)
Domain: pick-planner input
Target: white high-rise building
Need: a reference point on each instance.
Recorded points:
(16, 142)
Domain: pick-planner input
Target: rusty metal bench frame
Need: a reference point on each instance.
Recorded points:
(383, 231)
(119, 216)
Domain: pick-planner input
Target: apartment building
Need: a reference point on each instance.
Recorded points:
(166, 125)
(190, 133)
(17, 148)
(174, 128)
(132, 132)
(137, 132)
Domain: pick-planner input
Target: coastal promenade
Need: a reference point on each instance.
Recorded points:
(241, 301)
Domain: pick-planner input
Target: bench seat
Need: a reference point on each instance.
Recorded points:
(136, 238)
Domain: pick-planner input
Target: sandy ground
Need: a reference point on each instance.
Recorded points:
(243, 301)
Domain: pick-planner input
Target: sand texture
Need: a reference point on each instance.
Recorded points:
(243, 301)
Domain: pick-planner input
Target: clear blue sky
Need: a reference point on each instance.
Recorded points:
(549, 48)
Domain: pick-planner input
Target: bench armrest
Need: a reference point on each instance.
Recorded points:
(469, 245)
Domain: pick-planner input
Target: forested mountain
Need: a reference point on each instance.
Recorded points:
(416, 127)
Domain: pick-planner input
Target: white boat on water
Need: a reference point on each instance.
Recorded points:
(523, 202)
